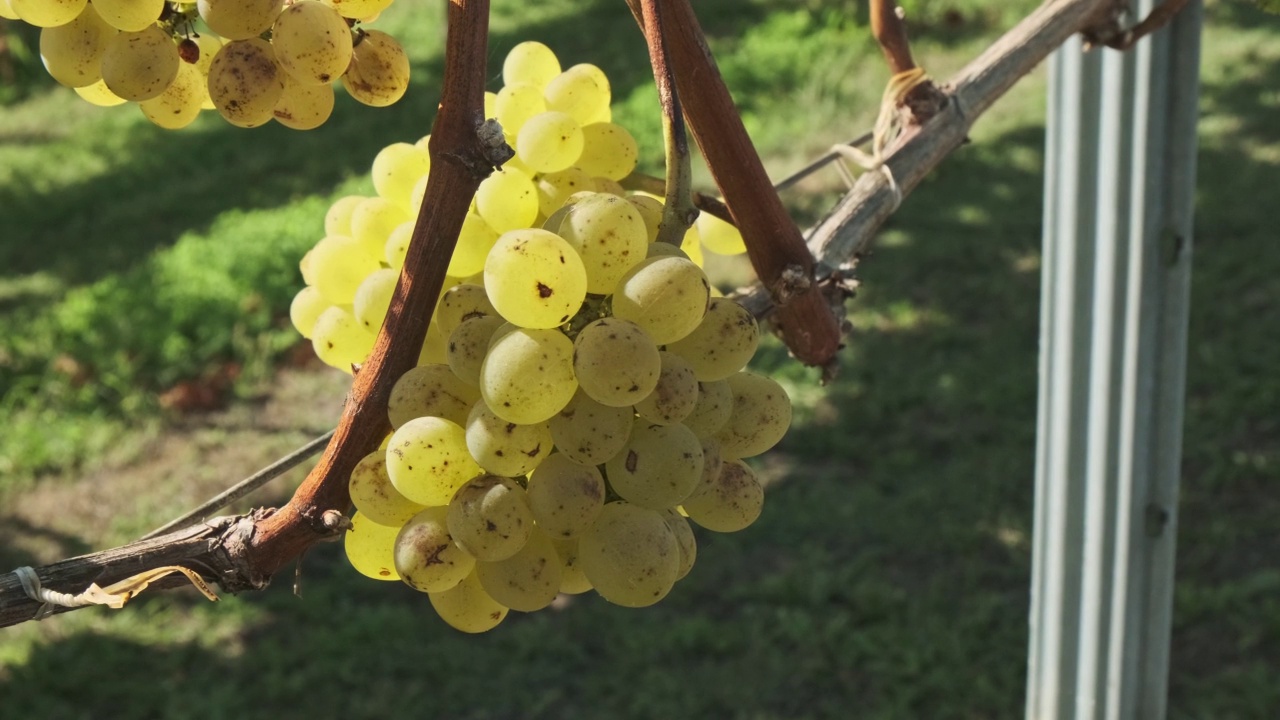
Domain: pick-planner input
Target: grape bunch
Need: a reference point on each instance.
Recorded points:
(580, 397)
(251, 60)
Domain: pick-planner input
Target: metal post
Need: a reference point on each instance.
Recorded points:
(1119, 188)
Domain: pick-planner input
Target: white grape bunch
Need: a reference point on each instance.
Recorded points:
(580, 405)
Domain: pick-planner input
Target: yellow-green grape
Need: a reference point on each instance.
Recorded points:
(589, 432)
(616, 362)
(507, 200)
(650, 210)
(370, 548)
(527, 377)
(607, 186)
(629, 555)
(433, 350)
(468, 345)
(427, 558)
(427, 460)
(527, 581)
(209, 45)
(530, 62)
(304, 267)
(659, 466)
(692, 247)
(535, 279)
(379, 71)
(372, 222)
(305, 310)
(375, 497)
(666, 296)
(505, 448)
(715, 405)
(339, 339)
(662, 249)
(430, 390)
(564, 496)
(139, 66)
(719, 236)
(572, 580)
(712, 460)
(72, 53)
(461, 303)
(595, 73)
(467, 607)
(576, 93)
(179, 105)
(515, 104)
(52, 13)
(424, 142)
(608, 151)
(337, 221)
(239, 19)
(555, 188)
(338, 266)
(99, 94)
(549, 142)
(245, 82)
(7, 12)
(723, 342)
(129, 15)
(731, 502)
(359, 9)
(312, 42)
(475, 240)
(675, 395)
(397, 168)
(490, 110)
(397, 247)
(610, 237)
(373, 297)
(303, 107)
(761, 416)
(685, 540)
(489, 518)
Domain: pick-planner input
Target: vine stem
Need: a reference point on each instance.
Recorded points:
(679, 211)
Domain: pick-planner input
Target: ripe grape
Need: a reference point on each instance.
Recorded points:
(526, 581)
(761, 416)
(72, 53)
(555, 188)
(373, 297)
(338, 266)
(577, 94)
(675, 395)
(7, 12)
(589, 432)
(507, 200)
(723, 342)
(610, 187)
(129, 15)
(530, 62)
(616, 362)
(505, 448)
(370, 548)
(305, 310)
(50, 13)
(609, 234)
(572, 580)
(468, 345)
(245, 82)
(650, 210)
(608, 151)
(139, 66)
(178, 106)
(467, 607)
(629, 555)
(209, 45)
(430, 390)
(515, 104)
(397, 247)
(731, 502)
(372, 222)
(375, 497)
(427, 558)
(427, 461)
(379, 71)
(303, 107)
(99, 94)
(359, 9)
(461, 303)
(337, 221)
(339, 339)
(565, 496)
(659, 466)
(312, 42)
(685, 540)
(534, 279)
(475, 241)
(719, 236)
(666, 296)
(549, 142)
(239, 19)
(527, 377)
(397, 168)
(489, 518)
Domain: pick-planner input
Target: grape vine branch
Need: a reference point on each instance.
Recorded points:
(244, 552)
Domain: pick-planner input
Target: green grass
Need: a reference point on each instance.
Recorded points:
(888, 576)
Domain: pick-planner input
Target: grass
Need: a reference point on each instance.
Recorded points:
(888, 576)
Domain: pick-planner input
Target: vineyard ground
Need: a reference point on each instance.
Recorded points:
(888, 577)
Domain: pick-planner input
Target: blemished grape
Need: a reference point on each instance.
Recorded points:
(515, 104)
(629, 555)
(712, 460)
(139, 66)
(397, 168)
(659, 466)
(338, 266)
(373, 297)
(468, 345)
(467, 607)
(372, 222)
(616, 362)
(565, 496)
(507, 200)
(715, 405)
(475, 241)
(337, 221)
(370, 548)
(239, 19)
(549, 142)
(723, 342)
(609, 235)
(209, 45)
(427, 460)
(360, 9)
(526, 581)
(312, 43)
(589, 432)
(719, 236)
(534, 279)
(375, 497)
(505, 448)
(675, 395)
(430, 390)
(666, 296)
(179, 104)
(129, 15)
(572, 580)
(245, 82)
(527, 377)
(685, 540)
(461, 303)
(729, 503)
(489, 518)
(608, 151)
(530, 62)
(761, 416)
(72, 53)
(52, 13)
(339, 339)
(305, 310)
(99, 94)
(427, 558)
(379, 72)
(555, 188)
(577, 94)
(303, 107)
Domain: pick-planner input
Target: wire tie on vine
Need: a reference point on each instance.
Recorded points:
(887, 129)
(113, 596)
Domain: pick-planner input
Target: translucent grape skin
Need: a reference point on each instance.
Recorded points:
(430, 391)
(467, 607)
(52, 13)
(427, 460)
(616, 362)
(719, 236)
(685, 540)
(530, 62)
(572, 580)
(589, 432)
(507, 200)
(527, 581)
(372, 222)
(338, 265)
(666, 296)
(129, 15)
(139, 66)
(576, 93)
(555, 188)
(489, 518)
(379, 71)
(375, 497)
(609, 234)
(469, 344)
(549, 142)
(761, 416)
(245, 82)
(505, 448)
(99, 94)
(337, 219)
(373, 297)
(305, 310)
(675, 395)
(731, 502)
(427, 558)
(370, 548)
(722, 344)
(312, 42)
(72, 53)
(608, 151)
(515, 104)
(527, 377)
(460, 303)
(534, 279)
(565, 496)
(397, 168)
(303, 107)
(360, 9)
(630, 555)
(339, 340)
(658, 468)
(179, 105)
(239, 19)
